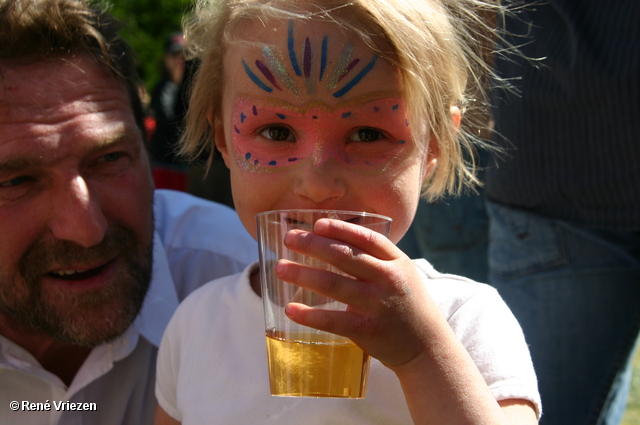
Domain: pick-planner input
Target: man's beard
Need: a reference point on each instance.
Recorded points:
(90, 317)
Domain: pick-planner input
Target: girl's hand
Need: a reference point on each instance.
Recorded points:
(391, 317)
(387, 301)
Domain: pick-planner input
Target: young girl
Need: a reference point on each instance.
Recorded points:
(353, 106)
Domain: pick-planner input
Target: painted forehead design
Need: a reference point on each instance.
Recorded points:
(312, 68)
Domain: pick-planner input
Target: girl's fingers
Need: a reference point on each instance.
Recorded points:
(367, 240)
(357, 251)
(338, 287)
(343, 323)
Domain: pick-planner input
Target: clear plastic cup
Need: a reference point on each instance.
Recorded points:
(305, 362)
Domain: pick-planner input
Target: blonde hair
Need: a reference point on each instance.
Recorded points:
(440, 46)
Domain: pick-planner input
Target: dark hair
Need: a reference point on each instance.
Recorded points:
(46, 29)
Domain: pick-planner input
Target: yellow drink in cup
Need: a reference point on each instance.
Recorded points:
(305, 362)
(316, 366)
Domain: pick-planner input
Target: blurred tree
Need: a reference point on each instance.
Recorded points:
(148, 22)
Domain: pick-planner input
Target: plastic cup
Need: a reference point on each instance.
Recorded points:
(306, 362)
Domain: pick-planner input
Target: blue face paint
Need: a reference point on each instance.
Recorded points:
(270, 73)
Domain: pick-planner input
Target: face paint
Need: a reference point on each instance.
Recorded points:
(286, 148)
(270, 72)
(369, 134)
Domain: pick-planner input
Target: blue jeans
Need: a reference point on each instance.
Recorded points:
(576, 294)
(452, 235)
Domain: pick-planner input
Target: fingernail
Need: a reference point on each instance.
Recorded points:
(288, 310)
(288, 237)
(321, 225)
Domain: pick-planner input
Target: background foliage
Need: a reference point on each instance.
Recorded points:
(632, 414)
(148, 22)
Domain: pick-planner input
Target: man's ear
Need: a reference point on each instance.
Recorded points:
(219, 138)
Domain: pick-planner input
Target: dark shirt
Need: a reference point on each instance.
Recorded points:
(572, 136)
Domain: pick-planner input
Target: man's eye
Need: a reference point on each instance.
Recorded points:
(17, 181)
(366, 135)
(278, 134)
(113, 156)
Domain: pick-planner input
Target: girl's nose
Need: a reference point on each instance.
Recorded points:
(320, 180)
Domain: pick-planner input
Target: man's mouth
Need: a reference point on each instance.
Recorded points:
(77, 274)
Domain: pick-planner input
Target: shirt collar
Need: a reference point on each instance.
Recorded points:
(161, 300)
(159, 305)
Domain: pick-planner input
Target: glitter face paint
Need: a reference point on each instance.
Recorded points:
(310, 103)
(332, 132)
(369, 134)
(270, 72)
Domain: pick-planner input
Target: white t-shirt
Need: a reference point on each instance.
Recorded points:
(195, 241)
(212, 365)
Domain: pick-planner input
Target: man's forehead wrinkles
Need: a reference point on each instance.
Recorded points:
(58, 99)
(80, 108)
(25, 87)
(54, 70)
(39, 140)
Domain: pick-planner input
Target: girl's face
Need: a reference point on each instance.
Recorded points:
(312, 118)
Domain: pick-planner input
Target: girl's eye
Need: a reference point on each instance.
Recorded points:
(366, 135)
(278, 134)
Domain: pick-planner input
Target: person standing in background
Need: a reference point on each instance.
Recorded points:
(564, 200)
(209, 177)
(453, 232)
(169, 170)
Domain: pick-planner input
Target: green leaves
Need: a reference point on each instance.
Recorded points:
(148, 22)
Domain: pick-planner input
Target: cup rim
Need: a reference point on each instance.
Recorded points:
(325, 210)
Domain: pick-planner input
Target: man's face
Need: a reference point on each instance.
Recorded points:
(76, 200)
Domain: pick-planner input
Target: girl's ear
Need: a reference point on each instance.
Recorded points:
(219, 138)
(456, 116)
(434, 147)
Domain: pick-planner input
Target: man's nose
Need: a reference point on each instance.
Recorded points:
(76, 214)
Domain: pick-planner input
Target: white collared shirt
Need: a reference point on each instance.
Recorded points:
(195, 241)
